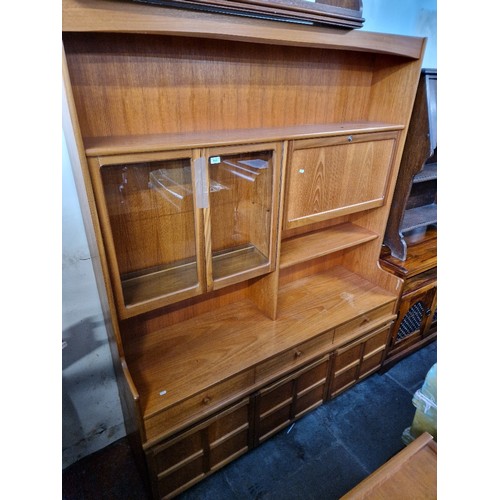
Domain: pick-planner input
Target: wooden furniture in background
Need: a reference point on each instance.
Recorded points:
(410, 242)
(412, 473)
(207, 151)
(342, 13)
(414, 204)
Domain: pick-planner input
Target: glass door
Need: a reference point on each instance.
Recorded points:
(243, 212)
(151, 228)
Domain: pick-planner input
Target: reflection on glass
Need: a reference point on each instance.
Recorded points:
(151, 213)
(241, 213)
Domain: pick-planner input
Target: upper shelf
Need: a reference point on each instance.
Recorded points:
(126, 17)
(103, 146)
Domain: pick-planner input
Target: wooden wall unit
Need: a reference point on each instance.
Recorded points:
(236, 178)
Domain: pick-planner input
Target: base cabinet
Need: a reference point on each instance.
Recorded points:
(186, 458)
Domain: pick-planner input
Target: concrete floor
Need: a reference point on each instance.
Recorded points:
(322, 456)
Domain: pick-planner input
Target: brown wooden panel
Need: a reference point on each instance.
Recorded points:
(363, 322)
(181, 479)
(196, 406)
(229, 449)
(294, 357)
(344, 380)
(310, 400)
(183, 449)
(347, 356)
(336, 179)
(271, 399)
(344, 13)
(274, 422)
(230, 422)
(145, 84)
(312, 377)
(375, 342)
(371, 363)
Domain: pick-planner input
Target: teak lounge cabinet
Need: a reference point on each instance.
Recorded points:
(235, 177)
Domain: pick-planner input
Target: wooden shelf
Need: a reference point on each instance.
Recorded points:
(419, 216)
(323, 242)
(103, 146)
(428, 173)
(202, 351)
(160, 283)
(421, 255)
(238, 260)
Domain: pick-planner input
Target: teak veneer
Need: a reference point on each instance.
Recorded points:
(235, 177)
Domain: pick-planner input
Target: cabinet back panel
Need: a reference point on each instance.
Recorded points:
(142, 84)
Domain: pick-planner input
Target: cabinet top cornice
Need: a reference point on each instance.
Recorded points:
(126, 17)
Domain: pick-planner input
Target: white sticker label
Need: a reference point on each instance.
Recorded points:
(214, 160)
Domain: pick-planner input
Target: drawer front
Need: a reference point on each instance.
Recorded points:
(294, 357)
(329, 177)
(348, 331)
(201, 404)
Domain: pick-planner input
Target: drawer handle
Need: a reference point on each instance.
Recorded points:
(365, 320)
(298, 354)
(349, 138)
(207, 400)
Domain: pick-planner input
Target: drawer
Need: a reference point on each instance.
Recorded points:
(293, 358)
(198, 405)
(364, 322)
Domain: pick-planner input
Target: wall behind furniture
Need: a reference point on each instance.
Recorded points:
(92, 416)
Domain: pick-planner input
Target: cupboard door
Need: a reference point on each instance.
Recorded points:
(416, 315)
(279, 404)
(336, 176)
(183, 460)
(150, 227)
(358, 359)
(243, 212)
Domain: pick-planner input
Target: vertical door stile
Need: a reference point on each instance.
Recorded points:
(204, 229)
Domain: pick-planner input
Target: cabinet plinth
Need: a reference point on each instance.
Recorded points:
(236, 185)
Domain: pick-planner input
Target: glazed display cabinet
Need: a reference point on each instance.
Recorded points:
(235, 177)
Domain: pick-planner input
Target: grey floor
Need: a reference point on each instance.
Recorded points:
(322, 456)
